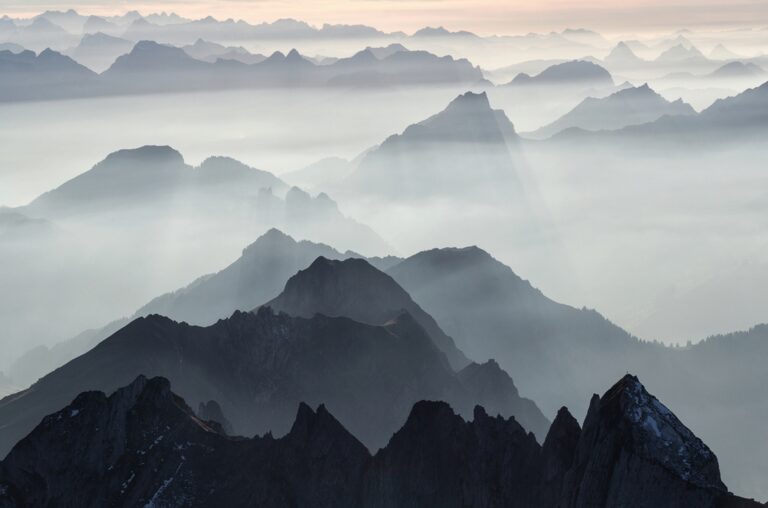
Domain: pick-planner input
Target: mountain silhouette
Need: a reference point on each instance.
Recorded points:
(631, 106)
(622, 56)
(737, 70)
(259, 366)
(355, 289)
(152, 67)
(156, 179)
(24, 75)
(681, 54)
(493, 313)
(152, 449)
(464, 147)
(98, 51)
(257, 276)
(576, 73)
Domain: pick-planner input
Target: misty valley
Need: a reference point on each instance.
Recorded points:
(285, 264)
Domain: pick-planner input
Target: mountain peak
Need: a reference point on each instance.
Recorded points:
(657, 434)
(147, 153)
(470, 101)
(467, 117)
(355, 289)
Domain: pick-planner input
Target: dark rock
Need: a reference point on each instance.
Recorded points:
(142, 446)
(211, 413)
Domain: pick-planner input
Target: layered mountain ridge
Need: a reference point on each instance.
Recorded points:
(153, 450)
(278, 360)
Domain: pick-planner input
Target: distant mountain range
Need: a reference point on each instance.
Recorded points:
(151, 67)
(48, 74)
(98, 50)
(153, 450)
(630, 106)
(741, 118)
(139, 181)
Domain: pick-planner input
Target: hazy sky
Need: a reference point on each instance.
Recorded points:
(483, 16)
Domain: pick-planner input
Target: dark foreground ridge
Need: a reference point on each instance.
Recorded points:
(258, 366)
(143, 446)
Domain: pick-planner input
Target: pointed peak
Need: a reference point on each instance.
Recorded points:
(467, 100)
(308, 424)
(655, 430)
(426, 413)
(564, 419)
(274, 234)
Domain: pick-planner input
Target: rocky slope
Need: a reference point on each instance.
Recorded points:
(151, 450)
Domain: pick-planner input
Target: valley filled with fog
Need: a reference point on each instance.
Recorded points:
(277, 214)
(648, 238)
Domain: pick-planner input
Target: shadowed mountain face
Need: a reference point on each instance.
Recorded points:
(355, 289)
(257, 276)
(456, 152)
(492, 313)
(631, 106)
(152, 450)
(258, 366)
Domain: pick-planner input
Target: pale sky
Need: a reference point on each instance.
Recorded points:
(481, 16)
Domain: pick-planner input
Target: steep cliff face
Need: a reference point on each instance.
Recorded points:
(142, 446)
(653, 459)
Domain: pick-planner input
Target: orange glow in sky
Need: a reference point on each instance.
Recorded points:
(481, 16)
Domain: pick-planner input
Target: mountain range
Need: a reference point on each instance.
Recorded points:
(491, 312)
(154, 450)
(257, 276)
(138, 182)
(151, 67)
(98, 51)
(258, 365)
(630, 106)
(737, 119)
